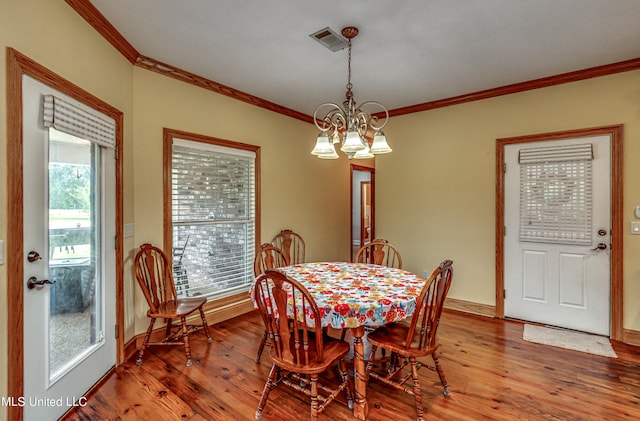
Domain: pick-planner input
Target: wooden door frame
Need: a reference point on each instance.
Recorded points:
(17, 66)
(617, 287)
(356, 167)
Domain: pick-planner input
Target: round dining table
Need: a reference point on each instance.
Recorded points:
(355, 295)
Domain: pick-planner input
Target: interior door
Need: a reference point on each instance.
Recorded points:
(558, 230)
(69, 262)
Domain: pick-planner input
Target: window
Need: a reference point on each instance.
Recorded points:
(213, 215)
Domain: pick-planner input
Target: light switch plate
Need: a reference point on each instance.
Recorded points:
(635, 227)
(128, 230)
(1, 252)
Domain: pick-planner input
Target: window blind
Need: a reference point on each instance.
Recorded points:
(77, 121)
(213, 216)
(556, 194)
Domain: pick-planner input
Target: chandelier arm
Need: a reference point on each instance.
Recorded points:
(361, 119)
(328, 120)
(373, 118)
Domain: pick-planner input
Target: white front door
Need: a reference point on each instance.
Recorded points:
(558, 230)
(69, 262)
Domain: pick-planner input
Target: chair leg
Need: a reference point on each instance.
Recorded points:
(205, 326)
(344, 377)
(417, 394)
(185, 339)
(268, 387)
(263, 341)
(314, 397)
(440, 371)
(145, 342)
(167, 330)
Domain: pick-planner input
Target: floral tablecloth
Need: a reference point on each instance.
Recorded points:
(349, 295)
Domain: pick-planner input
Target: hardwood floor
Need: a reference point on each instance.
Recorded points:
(492, 372)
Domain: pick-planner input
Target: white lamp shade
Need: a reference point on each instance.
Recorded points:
(330, 155)
(379, 144)
(323, 145)
(363, 154)
(352, 142)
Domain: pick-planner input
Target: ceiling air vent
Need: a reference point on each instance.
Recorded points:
(330, 39)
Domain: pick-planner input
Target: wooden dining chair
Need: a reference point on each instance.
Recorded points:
(291, 244)
(300, 352)
(406, 343)
(268, 256)
(155, 277)
(379, 252)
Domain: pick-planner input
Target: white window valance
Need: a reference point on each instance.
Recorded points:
(556, 154)
(71, 119)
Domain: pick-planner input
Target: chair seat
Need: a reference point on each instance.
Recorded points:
(333, 350)
(394, 337)
(177, 308)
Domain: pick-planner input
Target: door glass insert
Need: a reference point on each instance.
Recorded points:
(556, 194)
(74, 251)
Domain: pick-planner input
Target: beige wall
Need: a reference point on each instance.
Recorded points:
(435, 194)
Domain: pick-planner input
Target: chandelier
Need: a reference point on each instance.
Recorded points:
(350, 124)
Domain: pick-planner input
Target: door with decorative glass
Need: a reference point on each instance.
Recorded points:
(558, 228)
(69, 262)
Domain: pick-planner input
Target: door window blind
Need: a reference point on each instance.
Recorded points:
(556, 194)
(213, 216)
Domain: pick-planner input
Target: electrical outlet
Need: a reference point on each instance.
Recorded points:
(425, 273)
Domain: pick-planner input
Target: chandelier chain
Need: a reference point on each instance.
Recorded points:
(349, 85)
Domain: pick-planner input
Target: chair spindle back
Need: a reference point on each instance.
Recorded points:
(425, 319)
(268, 257)
(291, 317)
(154, 275)
(291, 244)
(380, 252)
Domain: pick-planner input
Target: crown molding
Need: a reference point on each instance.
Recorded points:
(182, 75)
(97, 20)
(604, 70)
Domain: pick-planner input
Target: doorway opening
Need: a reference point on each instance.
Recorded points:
(362, 207)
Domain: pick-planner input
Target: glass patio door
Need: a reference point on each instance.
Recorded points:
(69, 263)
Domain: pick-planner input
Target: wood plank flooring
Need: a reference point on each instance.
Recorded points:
(492, 372)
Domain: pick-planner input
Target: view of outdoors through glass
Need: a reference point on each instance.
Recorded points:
(74, 250)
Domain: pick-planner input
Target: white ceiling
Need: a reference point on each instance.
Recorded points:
(408, 52)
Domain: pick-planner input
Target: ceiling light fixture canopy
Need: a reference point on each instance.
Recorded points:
(350, 123)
